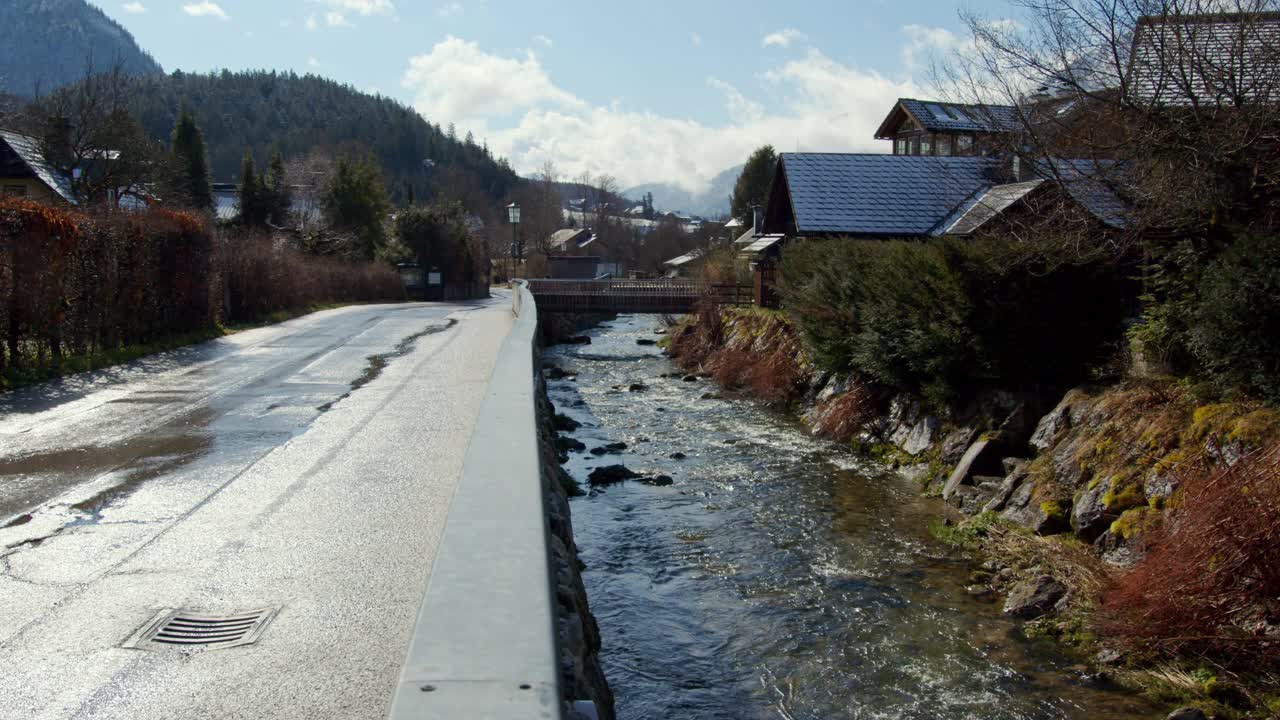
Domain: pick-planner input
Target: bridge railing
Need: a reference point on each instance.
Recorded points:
(676, 296)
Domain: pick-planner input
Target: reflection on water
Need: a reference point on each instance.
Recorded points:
(779, 577)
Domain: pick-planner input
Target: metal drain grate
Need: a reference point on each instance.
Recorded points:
(184, 628)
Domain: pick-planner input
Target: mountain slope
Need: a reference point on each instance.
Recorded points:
(265, 111)
(711, 203)
(50, 43)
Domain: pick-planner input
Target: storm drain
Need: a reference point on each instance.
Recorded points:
(184, 628)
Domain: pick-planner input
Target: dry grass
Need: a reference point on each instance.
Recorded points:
(1210, 586)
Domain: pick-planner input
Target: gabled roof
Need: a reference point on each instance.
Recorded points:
(687, 258)
(564, 240)
(1086, 181)
(1212, 59)
(760, 244)
(27, 149)
(876, 195)
(933, 116)
(972, 215)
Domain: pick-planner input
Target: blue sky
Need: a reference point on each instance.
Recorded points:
(652, 91)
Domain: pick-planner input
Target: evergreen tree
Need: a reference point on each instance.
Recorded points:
(753, 184)
(193, 184)
(255, 201)
(280, 198)
(357, 203)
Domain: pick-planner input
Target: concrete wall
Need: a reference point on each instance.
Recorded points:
(503, 631)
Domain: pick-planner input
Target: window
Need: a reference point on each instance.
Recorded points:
(901, 146)
(15, 190)
(964, 145)
(926, 144)
(944, 144)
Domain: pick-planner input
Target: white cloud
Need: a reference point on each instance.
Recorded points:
(313, 62)
(453, 9)
(205, 8)
(312, 23)
(543, 40)
(783, 38)
(812, 102)
(926, 44)
(362, 7)
(696, 39)
(336, 19)
(135, 8)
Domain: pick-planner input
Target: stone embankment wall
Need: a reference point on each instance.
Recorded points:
(581, 676)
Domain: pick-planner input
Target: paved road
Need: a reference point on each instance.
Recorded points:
(307, 466)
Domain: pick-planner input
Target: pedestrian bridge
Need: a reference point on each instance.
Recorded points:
(674, 297)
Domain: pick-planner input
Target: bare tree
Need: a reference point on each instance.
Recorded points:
(1168, 104)
(87, 133)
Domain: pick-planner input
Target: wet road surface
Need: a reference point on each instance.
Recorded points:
(306, 466)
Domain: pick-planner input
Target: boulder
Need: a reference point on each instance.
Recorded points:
(637, 387)
(1050, 426)
(658, 481)
(556, 373)
(678, 456)
(1186, 713)
(1089, 517)
(646, 342)
(1008, 486)
(1034, 598)
(690, 378)
(955, 444)
(611, 475)
(568, 444)
(921, 436)
(1042, 517)
(578, 340)
(981, 458)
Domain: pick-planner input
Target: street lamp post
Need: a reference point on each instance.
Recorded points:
(517, 252)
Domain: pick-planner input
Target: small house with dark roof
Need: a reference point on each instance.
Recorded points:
(24, 172)
(927, 127)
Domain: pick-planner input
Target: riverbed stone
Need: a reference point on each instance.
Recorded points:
(646, 342)
(658, 480)
(610, 449)
(1034, 598)
(1186, 713)
(578, 340)
(568, 444)
(637, 387)
(611, 475)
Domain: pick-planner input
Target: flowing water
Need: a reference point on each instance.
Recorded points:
(779, 576)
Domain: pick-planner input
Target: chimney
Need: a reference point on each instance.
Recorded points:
(756, 219)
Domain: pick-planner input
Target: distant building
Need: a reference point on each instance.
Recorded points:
(24, 172)
(686, 265)
(927, 127)
(579, 255)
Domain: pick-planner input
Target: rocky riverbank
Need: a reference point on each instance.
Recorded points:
(581, 677)
(1065, 495)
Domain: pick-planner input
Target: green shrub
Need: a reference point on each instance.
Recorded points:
(1235, 334)
(944, 318)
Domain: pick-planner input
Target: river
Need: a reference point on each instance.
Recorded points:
(780, 576)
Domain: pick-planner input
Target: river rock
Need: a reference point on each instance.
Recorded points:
(1029, 511)
(568, 444)
(610, 449)
(658, 481)
(611, 475)
(578, 340)
(677, 456)
(1034, 598)
(920, 436)
(690, 378)
(556, 373)
(1186, 713)
(637, 387)
(646, 342)
(564, 423)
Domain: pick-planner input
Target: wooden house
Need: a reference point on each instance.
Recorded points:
(927, 127)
